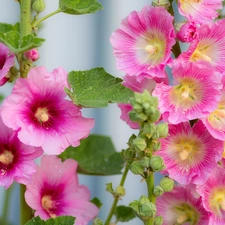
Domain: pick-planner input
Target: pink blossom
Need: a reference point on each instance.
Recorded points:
(200, 11)
(143, 42)
(32, 54)
(37, 108)
(187, 32)
(208, 47)
(213, 196)
(190, 153)
(181, 207)
(6, 62)
(16, 159)
(195, 96)
(56, 191)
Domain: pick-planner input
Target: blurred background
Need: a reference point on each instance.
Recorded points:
(82, 43)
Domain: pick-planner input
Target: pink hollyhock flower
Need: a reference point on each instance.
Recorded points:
(37, 108)
(190, 153)
(16, 159)
(54, 191)
(181, 207)
(215, 121)
(138, 84)
(208, 47)
(213, 196)
(32, 54)
(196, 95)
(200, 11)
(187, 32)
(143, 42)
(6, 62)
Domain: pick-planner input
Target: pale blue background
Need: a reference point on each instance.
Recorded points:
(81, 43)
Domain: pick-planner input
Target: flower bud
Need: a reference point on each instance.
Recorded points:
(155, 145)
(139, 144)
(158, 190)
(162, 129)
(156, 163)
(147, 210)
(143, 199)
(167, 184)
(120, 191)
(137, 168)
(38, 6)
(158, 220)
(163, 3)
(145, 162)
(32, 55)
(127, 154)
(97, 221)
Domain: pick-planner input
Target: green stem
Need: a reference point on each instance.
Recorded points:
(116, 199)
(25, 210)
(6, 205)
(45, 17)
(25, 17)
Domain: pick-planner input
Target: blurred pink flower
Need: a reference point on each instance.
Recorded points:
(143, 42)
(190, 153)
(37, 108)
(56, 192)
(16, 159)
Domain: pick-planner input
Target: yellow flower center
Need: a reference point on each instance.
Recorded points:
(42, 115)
(190, 1)
(198, 55)
(6, 157)
(48, 205)
(217, 200)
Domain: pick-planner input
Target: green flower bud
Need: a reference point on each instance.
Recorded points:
(38, 6)
(97, 221)
(155, 145)
(158, 220)
(127, 154)
(147, 210)
(137, 168)
(139, 144)
(142, 117)
(143, 199)
(149, 129)
(163, 3)
(120, 191)
(162, 129)
(137, 107)
(133, 116)
(156, 163)
(158, 190)
(155, 116)
(145, 162)
(167, 184)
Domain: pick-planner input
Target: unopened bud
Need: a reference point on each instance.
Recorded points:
(162, 129)
(120, 191)
(137, 168)
(148, 210)
(156, 163)
(158, 220)
(139, 144)
(162, 3)
(97, 221)
(158, 190)
(127, 154)
(167, 184)
(32, 54)
(145, 162)
(38, 6)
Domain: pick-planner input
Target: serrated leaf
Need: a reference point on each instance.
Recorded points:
(61, 220)
(11, 39)
(78, 7)
(124, 213)
(6, 27)
(96, 88)
(96, 155)
(30, 41)
(97, 202)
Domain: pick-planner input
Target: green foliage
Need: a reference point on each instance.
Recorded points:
(4, 222)
(97, 202)
(96, 156)
(1, 99)
(124, 213)
(95, 88)
(5, 27)
(78, 7)
(61, 220)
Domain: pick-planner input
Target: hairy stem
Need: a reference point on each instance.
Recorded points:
(116, 199)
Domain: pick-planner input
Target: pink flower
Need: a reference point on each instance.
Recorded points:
(143, 42)
(190, 153)
(56, 192)
(200, 11)
(209, 46)
(16, 159)
(215, 121)
(138, 84)
(213, 196)
(37, 108)
(196, 95)
(6, 62)
(181, 207)
(32, 54)
(187, 32)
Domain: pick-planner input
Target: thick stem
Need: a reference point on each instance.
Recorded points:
(25, 17)
(6, 205)
(116, 199)
(25, 210)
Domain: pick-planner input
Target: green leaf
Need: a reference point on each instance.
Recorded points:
(95, 88)
(11, 39)
(78, 7)
(1, 99)
(61, 220)
(96, 155)
(97, 202)
(124, 213)
(109, 188)
(5, 27)
(30, 41)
